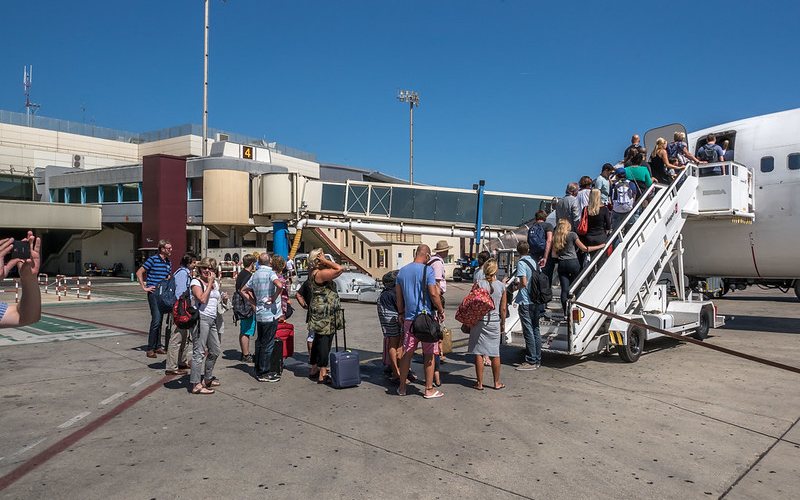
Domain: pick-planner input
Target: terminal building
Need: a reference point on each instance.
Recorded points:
(101, 197)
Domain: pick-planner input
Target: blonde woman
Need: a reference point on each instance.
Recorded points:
(678, 150)
(660, 163)
(599, 219)
(565, 245)
(484, 336)
(206, 336)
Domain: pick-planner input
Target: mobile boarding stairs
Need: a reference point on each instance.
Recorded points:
(628, 282)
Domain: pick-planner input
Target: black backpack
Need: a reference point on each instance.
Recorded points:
(708, 153)
(242, 309)
(539, 286)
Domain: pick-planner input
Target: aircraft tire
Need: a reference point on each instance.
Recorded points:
(706, 318)
(631, 351)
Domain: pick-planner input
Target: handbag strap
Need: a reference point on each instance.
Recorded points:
(424, 294)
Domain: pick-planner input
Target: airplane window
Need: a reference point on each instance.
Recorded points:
(767, 164)
(794, 161)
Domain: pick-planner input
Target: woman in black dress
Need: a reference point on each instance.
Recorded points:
(599, 219)
(660, 165)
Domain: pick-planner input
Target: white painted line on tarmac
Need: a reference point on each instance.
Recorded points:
(70, 422)
(111, 398)
(140, 381)
(29, 447)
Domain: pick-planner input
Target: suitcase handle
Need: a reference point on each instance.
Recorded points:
(336, 332)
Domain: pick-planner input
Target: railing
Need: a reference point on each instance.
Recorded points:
(67, 284)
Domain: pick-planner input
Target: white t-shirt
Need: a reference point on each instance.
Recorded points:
(208, 309)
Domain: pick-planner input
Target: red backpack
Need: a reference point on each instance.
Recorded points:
(184, 314)
(475, 305)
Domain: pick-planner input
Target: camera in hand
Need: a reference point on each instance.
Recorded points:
(21, 250)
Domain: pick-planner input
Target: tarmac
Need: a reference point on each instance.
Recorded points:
(86, 415)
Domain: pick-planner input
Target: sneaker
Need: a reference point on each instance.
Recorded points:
(263, 378)
(248, 358)
(526, 367)
(273, 377)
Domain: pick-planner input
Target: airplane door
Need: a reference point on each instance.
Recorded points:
(665, 131)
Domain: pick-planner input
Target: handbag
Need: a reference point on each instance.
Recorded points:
(424, 326)
(475, 306)
(583, 225)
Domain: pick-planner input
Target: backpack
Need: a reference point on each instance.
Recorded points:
(539, 289)
(623, 197)
(165, 294)
(673, 149)
(475, 306)
(537, 239)
(708, 153)
(242, 309)
(324, 317)
(184, 314)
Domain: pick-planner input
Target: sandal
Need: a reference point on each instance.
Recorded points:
(202, 390)
(325, 380)
(477, 387)
(434, 395)
(498, 387)
(403, 393)
(313, 376)
(213, 382)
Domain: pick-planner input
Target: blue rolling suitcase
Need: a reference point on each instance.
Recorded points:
(344, 366)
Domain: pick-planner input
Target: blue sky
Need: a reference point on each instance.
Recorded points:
(525, 94)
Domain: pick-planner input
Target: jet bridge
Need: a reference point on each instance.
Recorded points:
(288, 196)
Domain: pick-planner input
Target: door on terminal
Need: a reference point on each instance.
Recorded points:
(78, 264)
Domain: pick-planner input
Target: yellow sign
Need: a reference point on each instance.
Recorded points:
(247, 152)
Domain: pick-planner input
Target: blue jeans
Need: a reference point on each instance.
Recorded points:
(529, 317)
(265, 344)
(156, 318)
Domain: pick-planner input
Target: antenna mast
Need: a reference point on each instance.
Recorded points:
(27, 81)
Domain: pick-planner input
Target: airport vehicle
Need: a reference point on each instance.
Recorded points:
(625, 278)
(725, 253)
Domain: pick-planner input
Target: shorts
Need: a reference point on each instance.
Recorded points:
(393, 331)
(410, 342)
(247, 326)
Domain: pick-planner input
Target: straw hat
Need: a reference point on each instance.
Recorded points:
(441, 246)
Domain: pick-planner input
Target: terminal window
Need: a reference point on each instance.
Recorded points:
(109, 193)
(14, 187)
(130, 192)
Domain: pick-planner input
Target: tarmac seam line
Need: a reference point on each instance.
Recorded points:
(72, 438)
(674, 405)
(372, 445)
(760, 457)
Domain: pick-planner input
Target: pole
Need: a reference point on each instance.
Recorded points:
(411, 145)
(205, 82)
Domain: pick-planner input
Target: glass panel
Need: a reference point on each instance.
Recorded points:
(130, 192)
(92, 195)
(403, 203)
(357, 199)
(425, 205)
(767, 164)
(333, 197)
(794, 161)
(74, 195)
(379, 200)
(109, 193)
(14, 187)
(196, 184)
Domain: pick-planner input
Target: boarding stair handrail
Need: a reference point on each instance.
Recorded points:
(639, 255)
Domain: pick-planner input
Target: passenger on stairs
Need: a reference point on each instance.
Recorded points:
(585, 185)
(638, 172)
(567, 207)
(624, 194)
(565, 249)
(660, 164)
(599, 219)
(603, 183)
(631, 150)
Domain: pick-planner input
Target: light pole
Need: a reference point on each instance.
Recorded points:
(205, 82)
(412, 98)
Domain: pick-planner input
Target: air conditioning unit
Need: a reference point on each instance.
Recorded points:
(222, 137)
(77, 161)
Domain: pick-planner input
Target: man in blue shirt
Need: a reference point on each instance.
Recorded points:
(155, 269)
(29, 308)
(263, 290)
(603, 184)
(411, 301)
(711, 152)
(528, 311)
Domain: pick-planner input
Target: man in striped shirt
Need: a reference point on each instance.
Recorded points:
(154, 270)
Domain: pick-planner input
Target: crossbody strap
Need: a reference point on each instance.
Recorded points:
(424, 294)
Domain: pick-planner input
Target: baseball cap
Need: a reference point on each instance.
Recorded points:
(620, 171)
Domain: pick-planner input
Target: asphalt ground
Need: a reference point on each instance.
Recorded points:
(89, 416)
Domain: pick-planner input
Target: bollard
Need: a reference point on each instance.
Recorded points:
(16, 291)
(89, 290)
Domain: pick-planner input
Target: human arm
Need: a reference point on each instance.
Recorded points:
(202, 293)
(436, 300)
(401, 307)
(503, 302)
(29, 308)
(140, 275)
(689, 155)
(665, 158)
(547, 247)
(328, 270)
(248, 295)
(278, 288)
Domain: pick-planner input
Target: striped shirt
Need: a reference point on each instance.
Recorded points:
(157, 269)
(3, 308)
